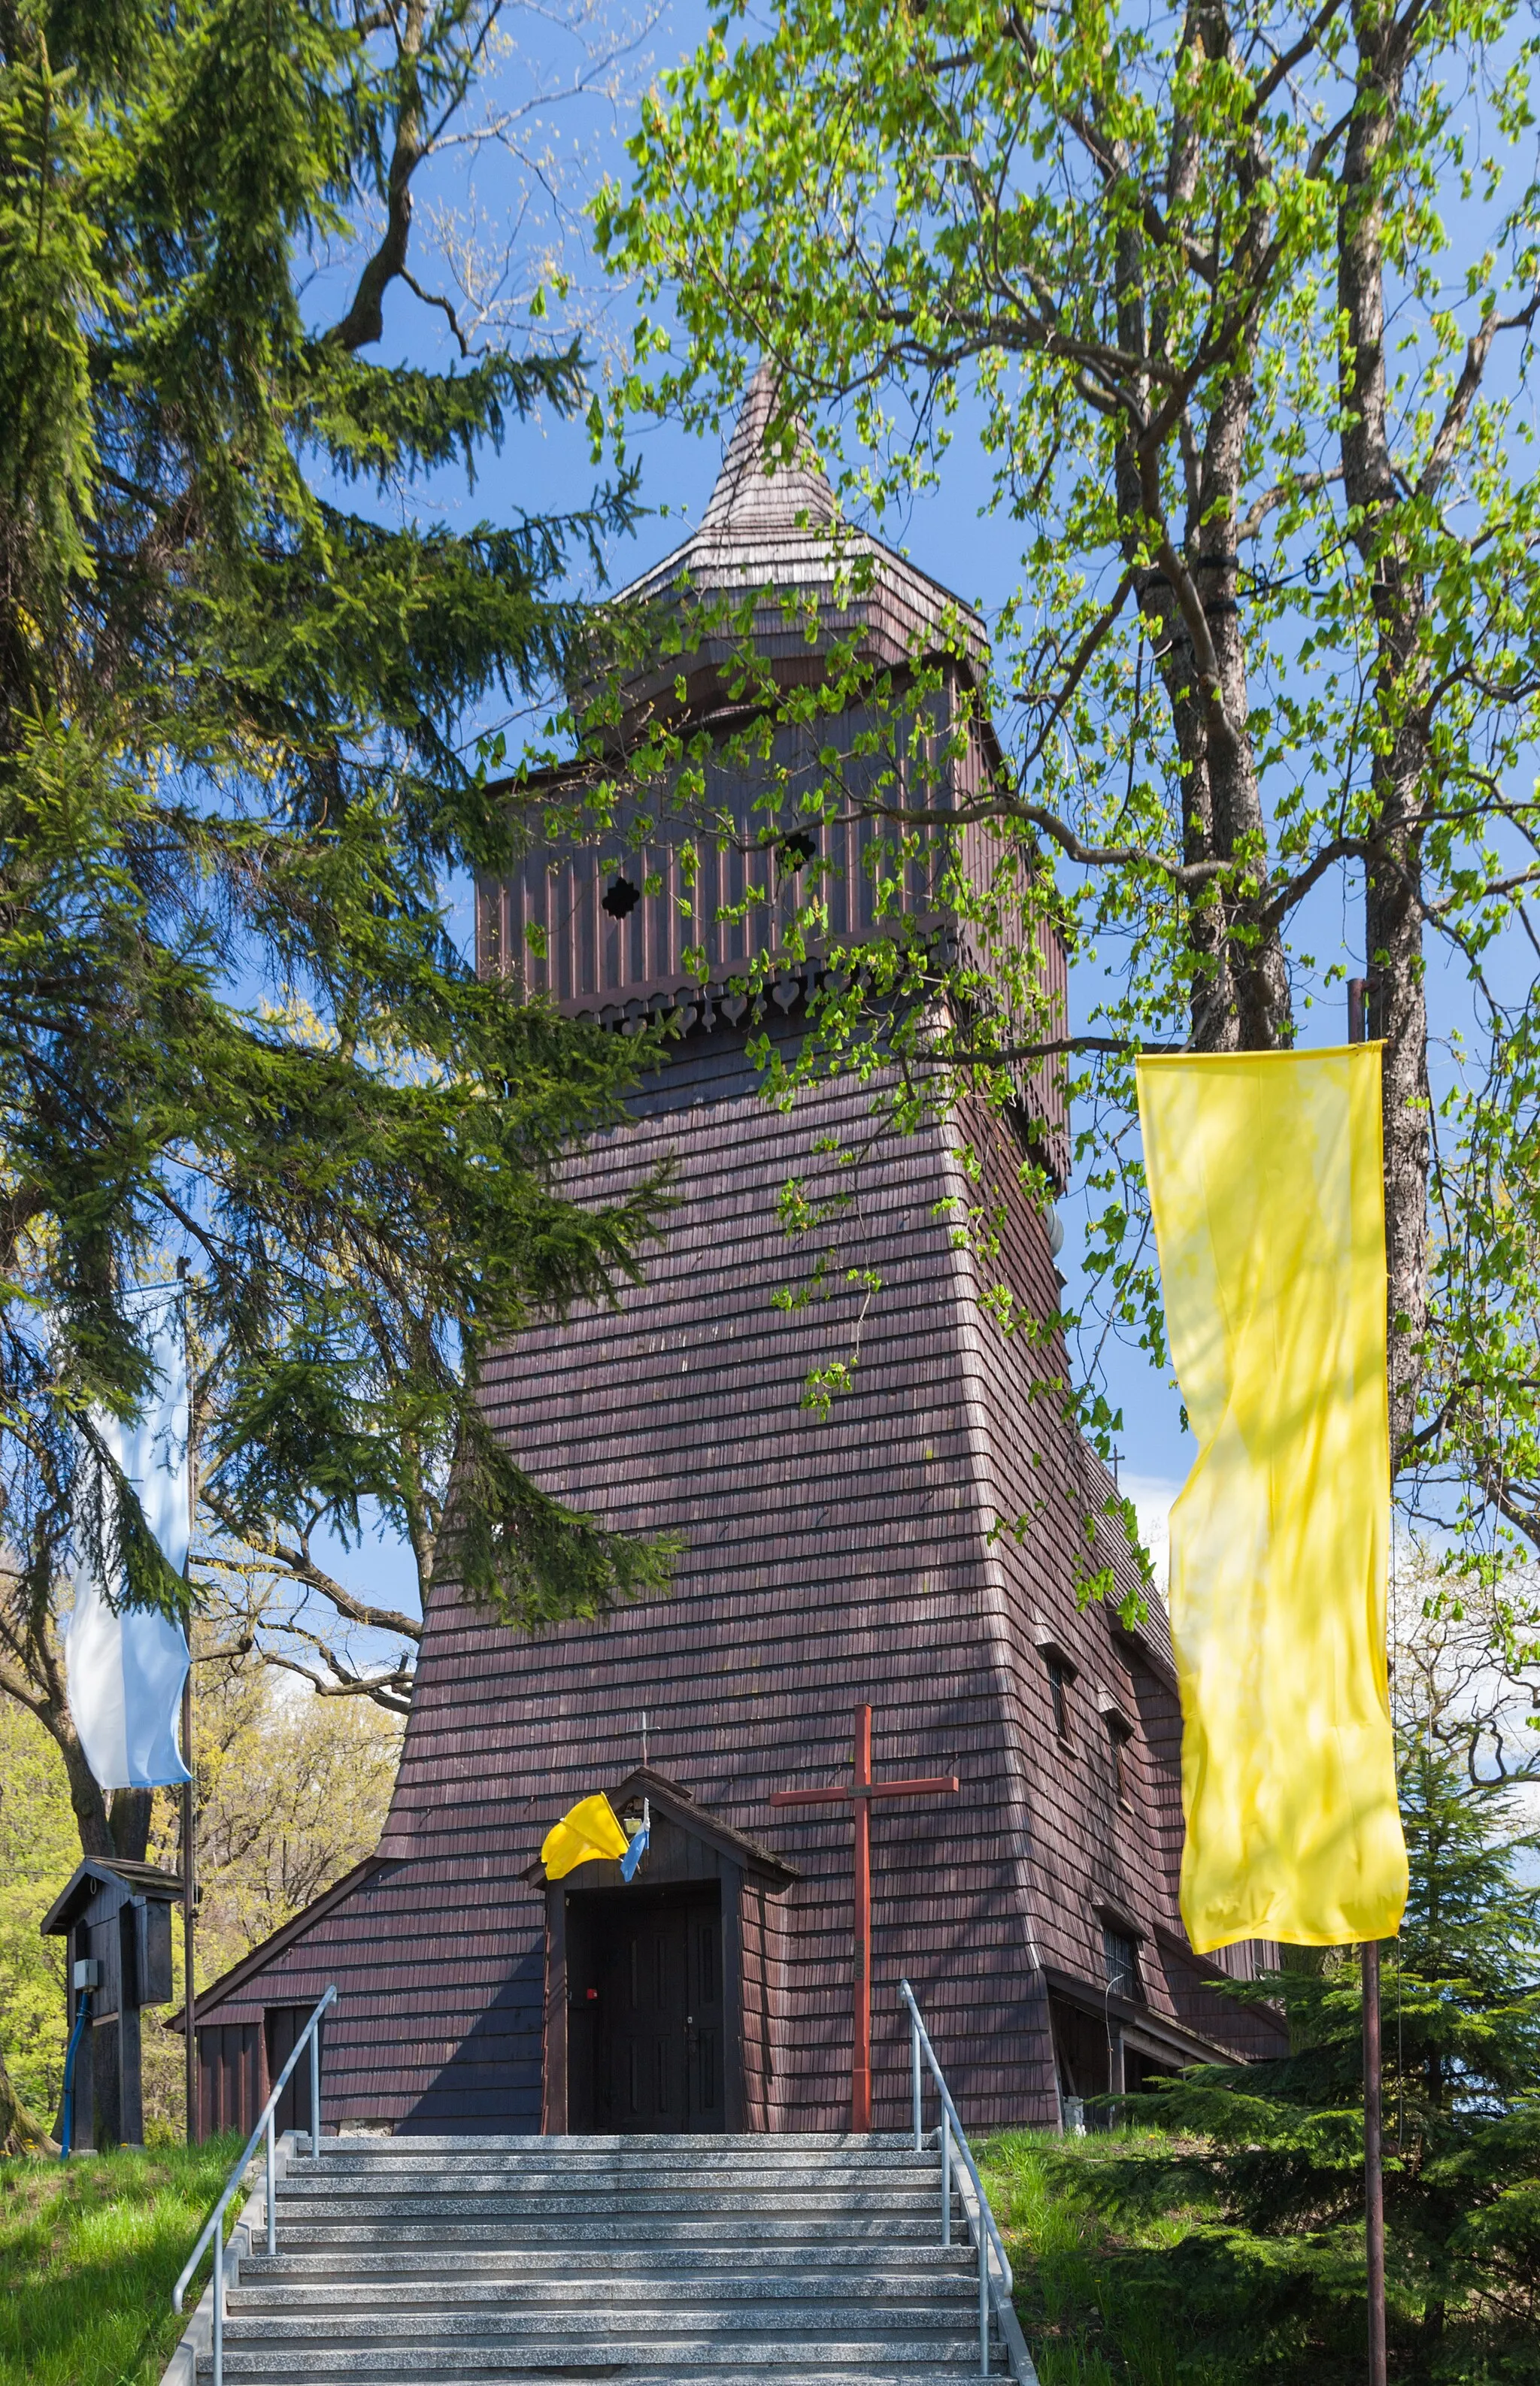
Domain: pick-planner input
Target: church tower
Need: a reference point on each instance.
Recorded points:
(917, 1549)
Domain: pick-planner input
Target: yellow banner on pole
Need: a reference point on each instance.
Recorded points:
(1267, 1190)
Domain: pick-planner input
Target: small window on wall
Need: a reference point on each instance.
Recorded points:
(1118, 1738)
(1060, 1678)
(1122, 1953)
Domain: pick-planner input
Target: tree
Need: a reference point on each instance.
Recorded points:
(1281, 2144)
(1239, 302)
(238, 675)
(290, 1796)
(39, 1850)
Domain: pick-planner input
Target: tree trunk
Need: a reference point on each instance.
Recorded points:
(1239, 998)
(128, 1820)
(19, 2134)
(1393, 894)
(86, 1796)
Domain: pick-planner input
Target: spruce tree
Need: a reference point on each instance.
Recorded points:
(239, 682)
(1283, 2142)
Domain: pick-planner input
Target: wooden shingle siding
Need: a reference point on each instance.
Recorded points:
(232, 2076)
(924, 1548)
(826, 1562)
(544, 927)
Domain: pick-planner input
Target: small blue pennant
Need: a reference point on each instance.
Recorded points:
(638, 1847)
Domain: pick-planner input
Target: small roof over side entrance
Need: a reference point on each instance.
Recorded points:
(676, 1821)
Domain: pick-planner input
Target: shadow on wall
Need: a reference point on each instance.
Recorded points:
(491, 2082)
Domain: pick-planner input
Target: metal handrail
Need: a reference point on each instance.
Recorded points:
(985, 2231)
(214, 2226)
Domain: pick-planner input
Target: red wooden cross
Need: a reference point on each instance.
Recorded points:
(861, 1794)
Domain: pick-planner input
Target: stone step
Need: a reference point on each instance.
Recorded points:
(893, 2173)
(753, 2333)
(724, 2231)
(795, 2146)
(428, 2368)
(753, 2258)
(422, 2202)
(781, 2297)
(859, 2363)
(682, 2311)
(765, 2152)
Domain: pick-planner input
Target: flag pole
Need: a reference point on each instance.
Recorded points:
(1369, 1960)
(1373, 2162)
(189, 1864)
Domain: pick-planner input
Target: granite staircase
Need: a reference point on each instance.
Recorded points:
(751, 2261)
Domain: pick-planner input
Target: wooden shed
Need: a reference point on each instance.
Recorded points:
(920, 1548)
(115, 1918)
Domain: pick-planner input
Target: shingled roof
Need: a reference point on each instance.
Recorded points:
(773, 523)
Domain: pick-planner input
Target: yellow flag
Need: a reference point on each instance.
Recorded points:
(588, 1831)
(1266, 1188)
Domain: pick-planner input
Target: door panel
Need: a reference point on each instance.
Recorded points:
(282, 2025)
(646, 2010)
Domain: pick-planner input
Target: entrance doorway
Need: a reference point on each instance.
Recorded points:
(645, 2009)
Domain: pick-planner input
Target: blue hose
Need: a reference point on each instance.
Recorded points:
(66, 2113)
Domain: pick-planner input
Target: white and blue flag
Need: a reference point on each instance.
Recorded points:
(126, 1669)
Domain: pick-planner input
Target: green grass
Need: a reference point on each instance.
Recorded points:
(1083, 2285)
(1131, 2272)
(89, 2254)
(1127, 2273)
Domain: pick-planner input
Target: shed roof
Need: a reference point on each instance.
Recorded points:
(98, 1872)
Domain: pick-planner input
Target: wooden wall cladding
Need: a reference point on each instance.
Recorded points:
(232, 2081)
(690, 943)
(827, 1562)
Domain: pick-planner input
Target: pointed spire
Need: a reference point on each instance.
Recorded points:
(768, 531)
(756, 490)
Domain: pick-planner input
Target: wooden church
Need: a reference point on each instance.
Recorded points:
(829, 1564)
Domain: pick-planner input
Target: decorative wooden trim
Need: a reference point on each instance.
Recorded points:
(553, 2108)
(1113, 1712)
(1048, 1644)
(734, 2085)
(678, 1804)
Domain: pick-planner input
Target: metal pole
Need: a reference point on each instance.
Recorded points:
(189, 1853)
(315, 2090)
(272, 2222)
(1373, 2131)
(914, 2071)
(1373, 2162)
(860, 2072)
(220, 2305)
(189, 1893)
(945, 2175)
(983, 2295)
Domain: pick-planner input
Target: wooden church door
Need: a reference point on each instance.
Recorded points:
(647, 2011)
